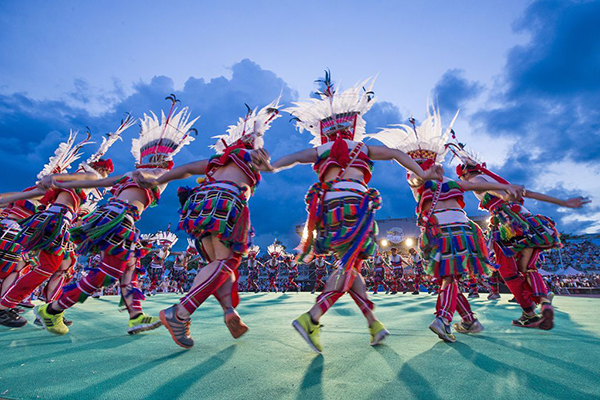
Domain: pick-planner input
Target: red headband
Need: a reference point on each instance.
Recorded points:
(106, 164)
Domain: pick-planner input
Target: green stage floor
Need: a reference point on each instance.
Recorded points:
(98, 360)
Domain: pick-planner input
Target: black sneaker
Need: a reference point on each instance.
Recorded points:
(527, 321)
(513, 300)
(11, 318)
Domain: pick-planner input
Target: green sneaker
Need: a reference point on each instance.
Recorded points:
(309, 331)
(378, 333)
(143, 322)
(52, 323)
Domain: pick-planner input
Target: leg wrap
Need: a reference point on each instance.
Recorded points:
(363, 303)
(108, 271)
(54, 287)
(538, 286)
(328, 298)
(464, 308)
(198, 294)
(515, 282)
(446, 301)
(131, 295)
(22, 288)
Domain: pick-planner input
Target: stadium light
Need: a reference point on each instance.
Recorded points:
(383, 242)
(409, 242)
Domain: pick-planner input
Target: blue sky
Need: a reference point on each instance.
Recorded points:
(523, 76)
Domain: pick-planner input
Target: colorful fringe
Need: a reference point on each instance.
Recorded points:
(454, 249)
(514, 229)
(216, 210)
(345, 225)
(10, 251)
(111, 228)
(47, 230)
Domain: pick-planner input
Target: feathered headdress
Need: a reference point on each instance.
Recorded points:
(167, 237)
(253, 251)
(249, 129)
(66, 153)
(160, 140)
(147, 237)
(191, 249)
(275, 249)
(107, 142)
(468, 161)
(422, 143)
(334, 114)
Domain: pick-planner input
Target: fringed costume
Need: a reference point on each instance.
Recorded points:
(451, 244)
(110, 229)
(513, 229)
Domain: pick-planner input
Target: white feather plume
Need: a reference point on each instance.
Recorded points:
(250, 128)
(66, 153)
(167, 236)
(429, 136)
(174, 133)
(465, 156)
(311, 112)
(254, 250)
(275, 248)
(110, 139)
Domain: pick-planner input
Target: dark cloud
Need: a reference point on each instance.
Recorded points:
(453, 90)
(551, 83)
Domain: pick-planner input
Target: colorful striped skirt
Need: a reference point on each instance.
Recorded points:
(10, 251)
(453, 245)
(514, 228)
(348, 228)
(111, 229)
(219, 208)
(47, 230)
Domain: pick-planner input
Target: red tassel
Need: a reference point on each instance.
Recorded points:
(339, 151)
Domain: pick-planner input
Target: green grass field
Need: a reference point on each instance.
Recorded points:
(98, 360)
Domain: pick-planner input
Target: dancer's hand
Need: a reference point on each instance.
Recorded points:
(261, 160)
(144, 181)
(47, 183)
(514, 193)
(576, 202)
(434, 173)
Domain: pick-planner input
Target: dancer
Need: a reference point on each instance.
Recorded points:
(320, 272)
(48, 231)
(156, 269)
(518, 237)
(178, 272)
(292, 269)
(111, 228)
(274, 250)
(12, 259)
(341, 207)
(253, 266)
(451, 244)
(379, 269)
(216, 214)
(397, 263)
(417, 268)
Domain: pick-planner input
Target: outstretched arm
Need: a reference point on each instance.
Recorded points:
(89, 184)
(307, 156)
(8, 198)
(576, 202)
(182, 172)
(50, 181)
(386, 153)
(502, 189)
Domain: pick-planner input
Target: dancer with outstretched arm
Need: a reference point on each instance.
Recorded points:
(341, 206)
(216, 213)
